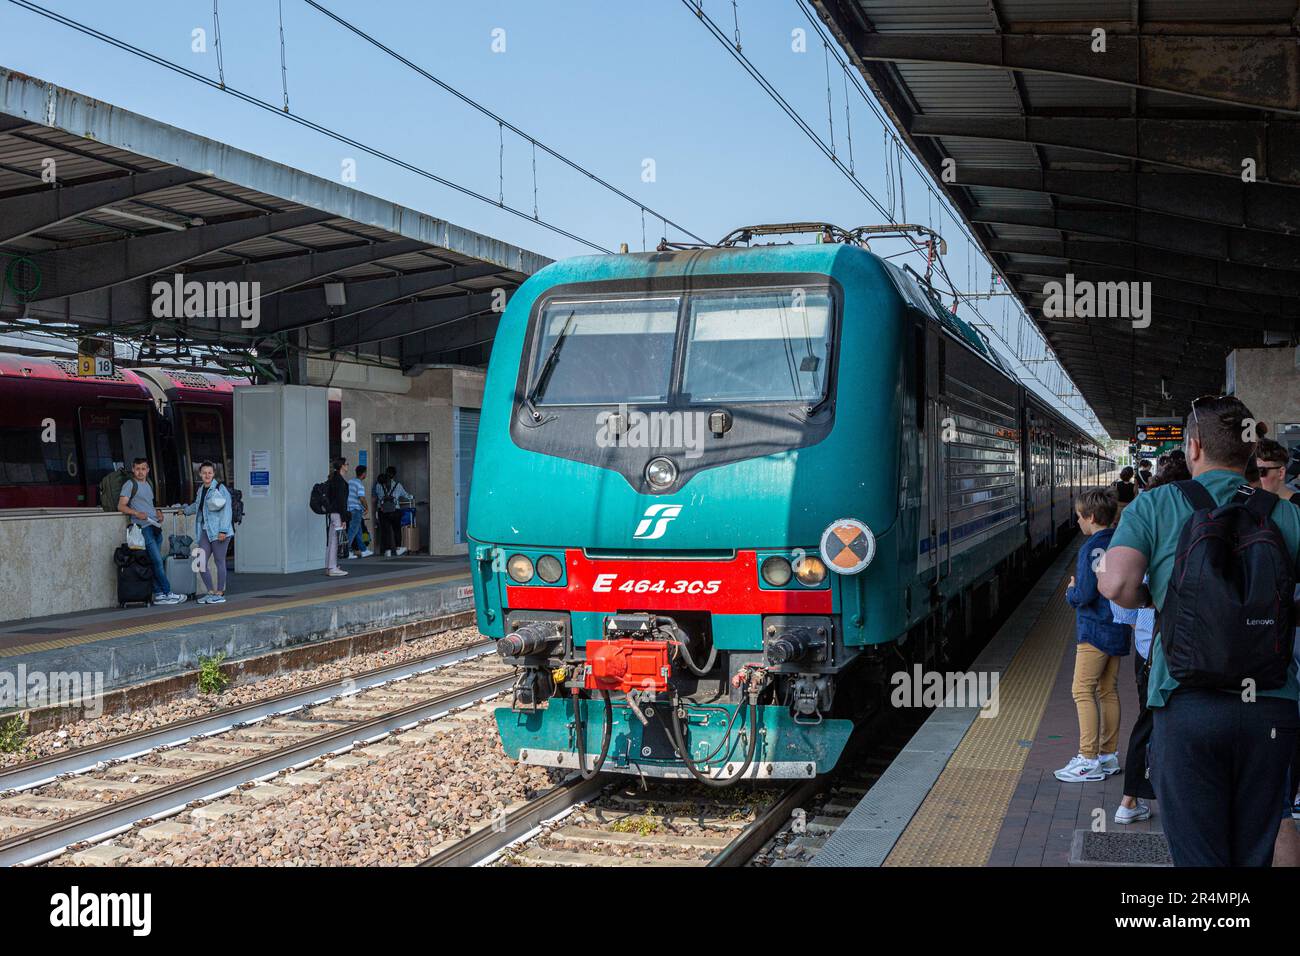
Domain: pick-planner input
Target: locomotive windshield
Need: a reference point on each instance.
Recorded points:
(757, 346)
(749, 345)
(600, 351)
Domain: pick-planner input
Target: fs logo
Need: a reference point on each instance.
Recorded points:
(659, 516)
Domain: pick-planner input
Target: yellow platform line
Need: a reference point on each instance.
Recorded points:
(223, 615)
(958, 823)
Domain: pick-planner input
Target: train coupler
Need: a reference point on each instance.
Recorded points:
(531, 648)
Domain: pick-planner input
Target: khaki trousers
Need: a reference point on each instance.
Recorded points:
(1096, 695)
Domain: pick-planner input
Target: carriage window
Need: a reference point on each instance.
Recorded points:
(604, 352)
(203, 432)
(758, 346)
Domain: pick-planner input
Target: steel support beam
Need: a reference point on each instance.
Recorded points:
(1200, 270)
(1210, 146)
(1154, 231)
(1194, 196)
(1254, 71)
(418, 322)
(30, 212)
(1237, 309)
(79, 269)
(368, 299)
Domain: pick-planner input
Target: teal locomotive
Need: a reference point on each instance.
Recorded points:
(721, 494)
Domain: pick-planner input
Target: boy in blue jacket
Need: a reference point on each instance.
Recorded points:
(1100, 643)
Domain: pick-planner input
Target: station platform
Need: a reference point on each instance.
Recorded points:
(971, 790)
(262, 613)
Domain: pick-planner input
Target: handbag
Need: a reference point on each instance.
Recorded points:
(135, 537)
(217, 501)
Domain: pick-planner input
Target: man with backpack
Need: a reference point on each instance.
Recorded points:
(1221, 564)
(136, 501)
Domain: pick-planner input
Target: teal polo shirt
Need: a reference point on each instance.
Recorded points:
(1152, 524)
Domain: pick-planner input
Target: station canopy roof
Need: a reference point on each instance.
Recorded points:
(1117, 166)
(134, 202)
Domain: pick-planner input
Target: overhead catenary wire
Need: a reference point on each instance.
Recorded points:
(299, 119)
(502, 121)
(284, 67)
(931, 189)
(758, 76)
(782, 102)
(216, 43)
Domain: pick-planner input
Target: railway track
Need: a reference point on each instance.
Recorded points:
(806, 831)
(610, 821)
(93, 793)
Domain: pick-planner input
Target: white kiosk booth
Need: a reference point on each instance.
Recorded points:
(281, 450)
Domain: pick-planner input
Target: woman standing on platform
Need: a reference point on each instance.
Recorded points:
(336, 489)
(213, 510)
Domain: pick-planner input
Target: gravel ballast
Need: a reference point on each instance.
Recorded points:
(96, 730)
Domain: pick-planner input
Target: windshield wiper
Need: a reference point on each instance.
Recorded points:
(544, 375)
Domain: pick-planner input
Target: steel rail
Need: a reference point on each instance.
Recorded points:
(42, 843)
(47, 769)
(489, 840)
(767, 824)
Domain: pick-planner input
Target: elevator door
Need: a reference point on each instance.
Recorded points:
(409, 454)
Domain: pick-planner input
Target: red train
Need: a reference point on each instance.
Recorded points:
(60, 434)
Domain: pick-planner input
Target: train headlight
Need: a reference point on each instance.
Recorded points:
(520, 568)
(810, 571)
(660, 473)
(847, 546)
(549, 568)
(776, 571)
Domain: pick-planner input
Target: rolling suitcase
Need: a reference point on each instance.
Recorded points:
(181, 576)
(410, 532)
(134, 576)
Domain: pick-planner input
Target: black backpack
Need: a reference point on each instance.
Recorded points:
(1228, 615)
(320, 498)
(236, 505)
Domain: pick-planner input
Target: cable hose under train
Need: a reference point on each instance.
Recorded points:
(690, 662)
(582, 735)
(678, 741)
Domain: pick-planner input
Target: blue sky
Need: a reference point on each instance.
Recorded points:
(609, 84)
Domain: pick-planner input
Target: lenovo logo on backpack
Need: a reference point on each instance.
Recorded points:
(1232, 566)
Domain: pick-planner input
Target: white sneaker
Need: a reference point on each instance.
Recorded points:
(401, 551)
(216, 599)
(1109, 763)
(388, 553)
(1081, 768)
(1133, 814)
(178, 598)
(206, 599)
(352, 557)
(366, 553)
(336, 573)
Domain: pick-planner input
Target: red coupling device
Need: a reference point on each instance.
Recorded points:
(627, 665)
